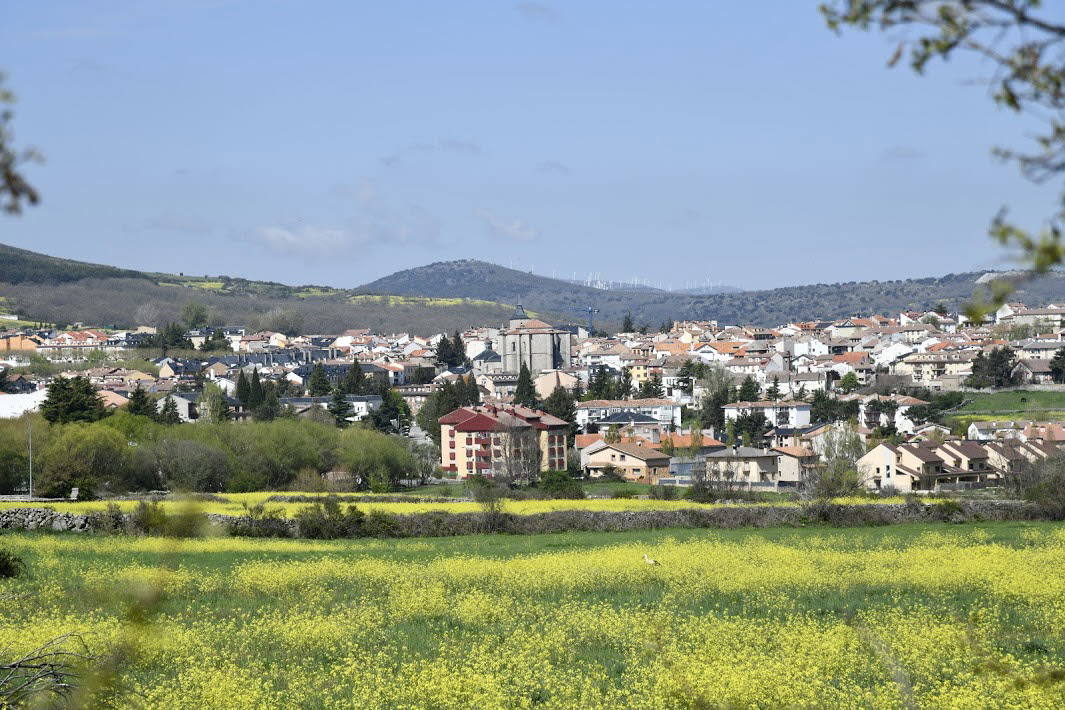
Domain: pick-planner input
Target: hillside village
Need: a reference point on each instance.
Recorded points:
(695, 400)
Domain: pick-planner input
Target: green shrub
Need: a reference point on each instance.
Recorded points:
(559, 484)
(624, 493)
(381, 524)
(260, 521)
(327, 520)
(11, 565)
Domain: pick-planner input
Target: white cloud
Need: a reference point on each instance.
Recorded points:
(509, 227)
(303, 238)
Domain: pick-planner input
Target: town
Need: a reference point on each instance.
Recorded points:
(752, 409)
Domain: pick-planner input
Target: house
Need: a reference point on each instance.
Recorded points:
(361, 405)
(744, 465)
(665, 411)
(546, 383)
(886, 411)
(187, 404)
(794, 465)
(785, 413)
(1034, 371)
(487, 361)
(641, 464)
(502, 441)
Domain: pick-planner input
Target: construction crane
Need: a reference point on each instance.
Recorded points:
(591, 319)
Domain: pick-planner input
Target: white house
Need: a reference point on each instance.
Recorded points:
(786, 413)
(665, 411)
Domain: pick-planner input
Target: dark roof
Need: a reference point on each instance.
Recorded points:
(519, 313)
(487, 354)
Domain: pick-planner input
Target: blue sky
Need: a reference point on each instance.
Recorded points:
(336, 142)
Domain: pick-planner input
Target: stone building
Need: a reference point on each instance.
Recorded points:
(535, 343)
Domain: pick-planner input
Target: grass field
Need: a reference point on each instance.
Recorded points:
(1012, 401)
(907, 616)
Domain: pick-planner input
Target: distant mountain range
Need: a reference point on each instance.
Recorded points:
(447, 295)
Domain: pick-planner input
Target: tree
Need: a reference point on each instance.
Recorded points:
(666, 326)
(993, 369)
(458, 349)
(214, 404)
(72, 400)
(849, 382)
(1023, 42)
(140, 403)
(473, 391)
(439, 403)
(1057, 366)
(243, 390)
(773, 391)
(5, 382)
(626, 324)
(837, 474)
(667, 447)
(393, 415)
(560, 403)
(14, 189)
(169, 414)
(624, 385)
(269, 406)
(444, 352)
(651, 388)
(215, 342)
(87, 457)
(354, 380)
(752, 426)
(340, 407)
(524, 392)
(255, 390)
(194, 315)
(749, 391)
(318, 384)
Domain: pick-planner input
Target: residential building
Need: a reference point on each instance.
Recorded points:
(501, 441)
(641, 464)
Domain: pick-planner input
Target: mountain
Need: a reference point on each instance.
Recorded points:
(46, 288)
(478, 279)
(446, 296)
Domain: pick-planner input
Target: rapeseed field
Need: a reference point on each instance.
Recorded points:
(906, 616)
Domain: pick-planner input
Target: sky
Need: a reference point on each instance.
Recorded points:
(333, 143)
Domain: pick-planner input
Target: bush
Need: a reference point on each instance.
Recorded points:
(559, 484)
(11, 565)
(381, 524)
(624, 493)
(88, 457)
(260, 521)
(150, 518)
(327, 520)
(375, 460)
(1041, 483)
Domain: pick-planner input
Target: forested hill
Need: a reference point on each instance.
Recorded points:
(478, 279)
(444, 296)
(21, 265)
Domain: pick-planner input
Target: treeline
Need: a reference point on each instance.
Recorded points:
(128, 452)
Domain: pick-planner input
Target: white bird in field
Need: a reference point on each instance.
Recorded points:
(649, 560)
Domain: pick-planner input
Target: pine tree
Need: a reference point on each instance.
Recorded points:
(255, 390)
(340, 407)
(561, 404)
(626, 324)
(354, 380)
(269, 407)
(524, 392)
(458, 350)
(73, 400)
(624, 385)
(749, 390)
(243, 390)
(140, 403)
(473, 392)
(169, 414)
(444, 352)
(651, 388)
(318, 385)
(1057, 366)
(773, 393)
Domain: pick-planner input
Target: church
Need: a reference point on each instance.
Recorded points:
(533, 343)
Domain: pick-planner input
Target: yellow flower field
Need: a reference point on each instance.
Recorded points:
(907, 616)
(234, 505)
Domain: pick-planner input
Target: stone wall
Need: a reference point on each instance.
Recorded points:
(441, 524)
